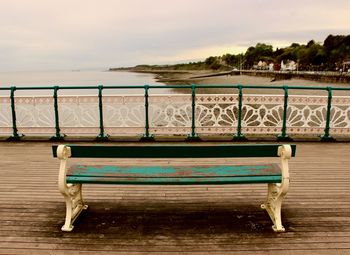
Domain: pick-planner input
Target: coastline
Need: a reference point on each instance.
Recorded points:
(207, 77)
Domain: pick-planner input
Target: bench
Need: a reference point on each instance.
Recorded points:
(276, 176)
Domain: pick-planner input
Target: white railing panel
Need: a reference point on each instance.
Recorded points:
(5, 116)
(170, 114)
(124, 114)
(35, 115)
(78, 115)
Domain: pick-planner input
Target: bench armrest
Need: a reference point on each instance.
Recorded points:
(63, 153)
(285, 152)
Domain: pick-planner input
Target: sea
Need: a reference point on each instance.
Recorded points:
(124, 78)
(78, 78)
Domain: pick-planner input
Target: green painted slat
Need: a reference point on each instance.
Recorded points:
(175, 181)
(175, 175)
(175, 151)
(173, 171)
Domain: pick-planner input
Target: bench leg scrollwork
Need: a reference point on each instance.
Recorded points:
(72, 193)
(273, 205)
(277, 191)
(74, 205)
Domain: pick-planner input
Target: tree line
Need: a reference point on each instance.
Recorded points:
(326, 56)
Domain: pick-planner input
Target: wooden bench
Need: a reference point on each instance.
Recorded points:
(71, 179)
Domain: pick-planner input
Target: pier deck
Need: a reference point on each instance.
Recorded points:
(168, 219)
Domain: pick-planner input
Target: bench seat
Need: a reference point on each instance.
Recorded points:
(176, 175)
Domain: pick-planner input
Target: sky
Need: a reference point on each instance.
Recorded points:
(87, 34)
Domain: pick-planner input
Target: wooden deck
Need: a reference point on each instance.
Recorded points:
(175, 219)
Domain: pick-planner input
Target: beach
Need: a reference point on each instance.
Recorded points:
(189, 77)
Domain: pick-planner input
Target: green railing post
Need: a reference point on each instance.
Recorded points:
(147, 137)
(57, 136)
(102, 136)
(283, 137)
(15, 136)
(326, 136)
(193, 136)
(239, 136)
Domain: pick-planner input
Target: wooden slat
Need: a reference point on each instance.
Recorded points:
(174, 171)
(174, 180)
(174, 175)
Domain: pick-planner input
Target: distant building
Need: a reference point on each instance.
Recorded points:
(289, 65)
(262, 65)
(346, 66)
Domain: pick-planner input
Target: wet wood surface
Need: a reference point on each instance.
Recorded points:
(175, 219)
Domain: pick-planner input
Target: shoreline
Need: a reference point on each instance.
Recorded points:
(172, 77)
(186, 77)
(207, 77)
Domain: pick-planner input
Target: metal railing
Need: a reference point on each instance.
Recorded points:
(193, 88)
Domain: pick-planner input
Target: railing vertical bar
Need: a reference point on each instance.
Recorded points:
(193, 136)
(15, 136)
(146, 136)
(58, 135)
(102, 136)
(283, 136)
(239, 136)
(193, 126)
(326, 136)
(240, 99)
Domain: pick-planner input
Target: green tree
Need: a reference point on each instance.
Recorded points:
(260, 52)
(213, 63)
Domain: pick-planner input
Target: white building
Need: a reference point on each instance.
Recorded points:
(290, 65)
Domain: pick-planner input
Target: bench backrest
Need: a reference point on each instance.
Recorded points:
(174, 151)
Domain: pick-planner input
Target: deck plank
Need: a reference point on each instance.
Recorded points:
(174, 219)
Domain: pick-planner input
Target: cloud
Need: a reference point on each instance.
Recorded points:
(40, 34)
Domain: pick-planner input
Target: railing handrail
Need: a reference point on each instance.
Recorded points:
(234, 86)
(164, 95)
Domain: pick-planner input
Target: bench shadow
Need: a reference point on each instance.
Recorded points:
(144, 220)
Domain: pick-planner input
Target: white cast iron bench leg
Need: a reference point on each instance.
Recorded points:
(72, 193)
(277, 191)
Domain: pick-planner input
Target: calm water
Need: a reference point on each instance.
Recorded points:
(78, 78)
(93, 78)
